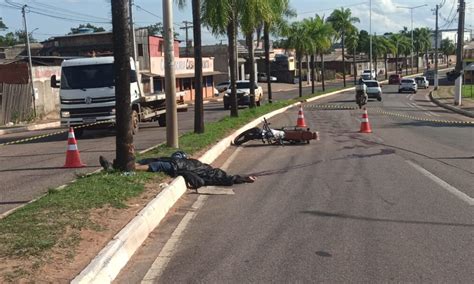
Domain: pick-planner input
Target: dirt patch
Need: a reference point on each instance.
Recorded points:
(78, 247)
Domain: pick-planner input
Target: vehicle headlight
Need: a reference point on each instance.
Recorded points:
(65, 114)
(245, 94)
(226, 94)
(113, 111)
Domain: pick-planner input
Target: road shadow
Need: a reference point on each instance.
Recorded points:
(370, 219)
(14, 202)
(47, 168)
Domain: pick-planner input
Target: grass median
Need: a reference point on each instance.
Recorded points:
(35, 231)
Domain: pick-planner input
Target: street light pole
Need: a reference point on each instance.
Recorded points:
(411, 10)
(28, 50)
(370, 40)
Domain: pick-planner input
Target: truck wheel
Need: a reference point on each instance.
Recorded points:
(379, 99)
(135, 121)
(226, 106)
(162, 120)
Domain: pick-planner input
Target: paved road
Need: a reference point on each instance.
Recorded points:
(392, 206)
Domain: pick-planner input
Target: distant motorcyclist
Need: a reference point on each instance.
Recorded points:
(361, 93)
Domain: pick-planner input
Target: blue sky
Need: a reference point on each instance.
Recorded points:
(386, 17)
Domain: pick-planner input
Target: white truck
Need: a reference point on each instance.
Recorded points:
(87, 96)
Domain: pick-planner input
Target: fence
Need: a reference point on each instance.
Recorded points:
(15, 103)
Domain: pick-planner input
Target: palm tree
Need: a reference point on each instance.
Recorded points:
(405, 47)
(280, 9)
(251, 16)
(299, 39)
(352, 41)
(342, 21)
(198, 98)
(421, 43)
(388, 47)
(398, 41)
(221, 17)
(448, 48)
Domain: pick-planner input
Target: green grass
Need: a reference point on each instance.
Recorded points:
(468, 91)
(56, 219)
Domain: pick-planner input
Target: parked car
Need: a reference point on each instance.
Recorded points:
(243, 94)
(371, 74)
(422, 82)
(262, 77)
(394, 79)
(373, 89)
(223, 86)
(408, 85)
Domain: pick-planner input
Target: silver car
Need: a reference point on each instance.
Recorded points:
(408, 85)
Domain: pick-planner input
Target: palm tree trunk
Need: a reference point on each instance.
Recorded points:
(232, 66)
(375, 66)
(355, 65)
(322, 72)
(406, 64)
(266, 39)
(249, 39)
(125, 151)
(198, 99)
(417, 65)
(300, 81)
(386, 70)
(307, 70)
(343, 62)
(312, 73)
(396, 64)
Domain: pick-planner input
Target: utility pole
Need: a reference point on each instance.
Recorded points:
(459, 50)
(125, 150)
(370, 39)
(462, 7)
(170, 78)
(132, 30)
(30, 64)
(186, 27)
(436, 50)
(198, 99)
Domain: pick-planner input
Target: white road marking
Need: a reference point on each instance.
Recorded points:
(459, 194)
(160, 263)
(167, 252)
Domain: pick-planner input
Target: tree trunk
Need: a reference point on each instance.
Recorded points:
(396, 64)
(343, 62)
(266, 39)
(125, 151)
(375, 66)
(249, 39)
(232, 66)
(385, 63)
(300, 81)
(406, 64)
(308, 79)
(417, 65)
(198, 99)
(355, 66)
(312, 73)
(322, 72)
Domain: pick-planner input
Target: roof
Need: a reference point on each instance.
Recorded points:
(88, 61)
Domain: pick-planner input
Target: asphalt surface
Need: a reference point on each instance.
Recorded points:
(392, 206)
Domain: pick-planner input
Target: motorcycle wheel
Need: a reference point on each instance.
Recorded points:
(247, 135)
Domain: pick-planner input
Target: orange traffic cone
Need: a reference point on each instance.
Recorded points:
(72, 155)
(300, 122)
(364, 124)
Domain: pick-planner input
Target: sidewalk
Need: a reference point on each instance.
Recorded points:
(444, 97)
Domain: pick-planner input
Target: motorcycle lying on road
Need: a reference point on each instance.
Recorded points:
(269, 135)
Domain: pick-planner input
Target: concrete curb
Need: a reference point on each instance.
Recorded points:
(54, 124)
(115, 255)
(450, 107)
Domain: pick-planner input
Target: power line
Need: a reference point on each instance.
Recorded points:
(329, 9)
(153, 14)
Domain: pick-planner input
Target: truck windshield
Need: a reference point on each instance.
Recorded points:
(90, 76)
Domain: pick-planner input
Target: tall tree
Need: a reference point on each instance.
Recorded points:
(342, 21)
(421, 42)
(448, 48)
(399, 42)
(388, 48)
(299, 39)
(86, 26)
(198, 81)
(253, 13)
(280, 10)
(125, 151)
(220, 16)
(352, 41)
(2, 25)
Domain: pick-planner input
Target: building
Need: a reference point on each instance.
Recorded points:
(451, 34)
